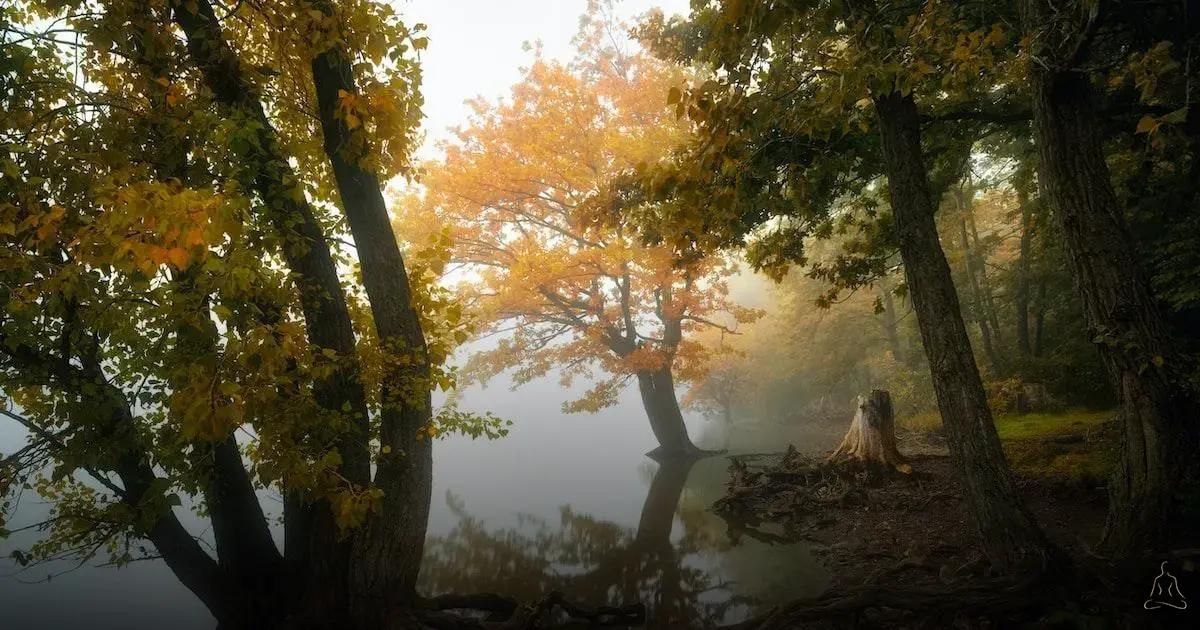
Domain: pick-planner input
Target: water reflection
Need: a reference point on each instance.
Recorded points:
(695, 580)
(630, 530)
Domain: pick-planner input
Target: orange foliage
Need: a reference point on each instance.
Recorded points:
(531, 190)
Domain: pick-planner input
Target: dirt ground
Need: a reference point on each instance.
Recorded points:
(900, 531)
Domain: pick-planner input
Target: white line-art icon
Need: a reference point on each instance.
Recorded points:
(1165, 592)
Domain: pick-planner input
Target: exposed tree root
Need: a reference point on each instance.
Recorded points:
(796, 484)
(661, 455)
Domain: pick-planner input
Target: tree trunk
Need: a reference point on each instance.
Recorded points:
(1121, 311)
(871, 439)
(1008, 532)
(1022, 182)
(891, 323)
(978, 302)
(387, 552)
(985, 287)
(1039, 318)
(666, 420)
(317, 554)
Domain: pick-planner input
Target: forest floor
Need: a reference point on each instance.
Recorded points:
(899, 530)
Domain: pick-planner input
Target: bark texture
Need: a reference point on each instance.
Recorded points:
(1008, 532)
(387, 553)
(365, 579)
(1122, 313)
(871, 438)
(666, 420)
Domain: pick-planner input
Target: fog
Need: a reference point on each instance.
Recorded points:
(592, 464)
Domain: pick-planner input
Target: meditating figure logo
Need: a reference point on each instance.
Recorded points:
(1165, 592)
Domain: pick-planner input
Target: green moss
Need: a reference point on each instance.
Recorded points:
(1047, 425)
(1075, 445)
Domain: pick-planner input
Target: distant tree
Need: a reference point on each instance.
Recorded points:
(722, 385)
(531, 195)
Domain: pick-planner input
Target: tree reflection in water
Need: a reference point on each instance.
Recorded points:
(592, 560)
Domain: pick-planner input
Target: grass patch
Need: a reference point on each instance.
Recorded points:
(1031, 426)
(925, 421)
(1074, 445)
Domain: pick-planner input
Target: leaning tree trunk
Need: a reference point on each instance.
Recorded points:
(666, 420)
(388, 550)
(871, 439)
(1009, 534)
(1121, 311)
(317, 556)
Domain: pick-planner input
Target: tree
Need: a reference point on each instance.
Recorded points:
(718, 391)
(528, 195)
(823, 75)
(1121, 309)
(172, 277)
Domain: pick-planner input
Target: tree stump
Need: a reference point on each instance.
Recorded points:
(871, 439)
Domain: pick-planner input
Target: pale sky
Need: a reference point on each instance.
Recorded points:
(475, 47)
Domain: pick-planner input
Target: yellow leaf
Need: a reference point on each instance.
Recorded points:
(193, 238)
(1148, 124)
(674, 95)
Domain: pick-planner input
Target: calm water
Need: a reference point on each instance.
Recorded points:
(565, 502)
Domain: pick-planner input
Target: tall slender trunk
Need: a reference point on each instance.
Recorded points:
(248, 562)
(891, 323)
(387, 553)
(666, 420)
(1009, 534)
(978, 307)
(317, 554)
(1021, 183)
(246, 553)
(1121, 311)
(1039, 318)
(985, 287)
